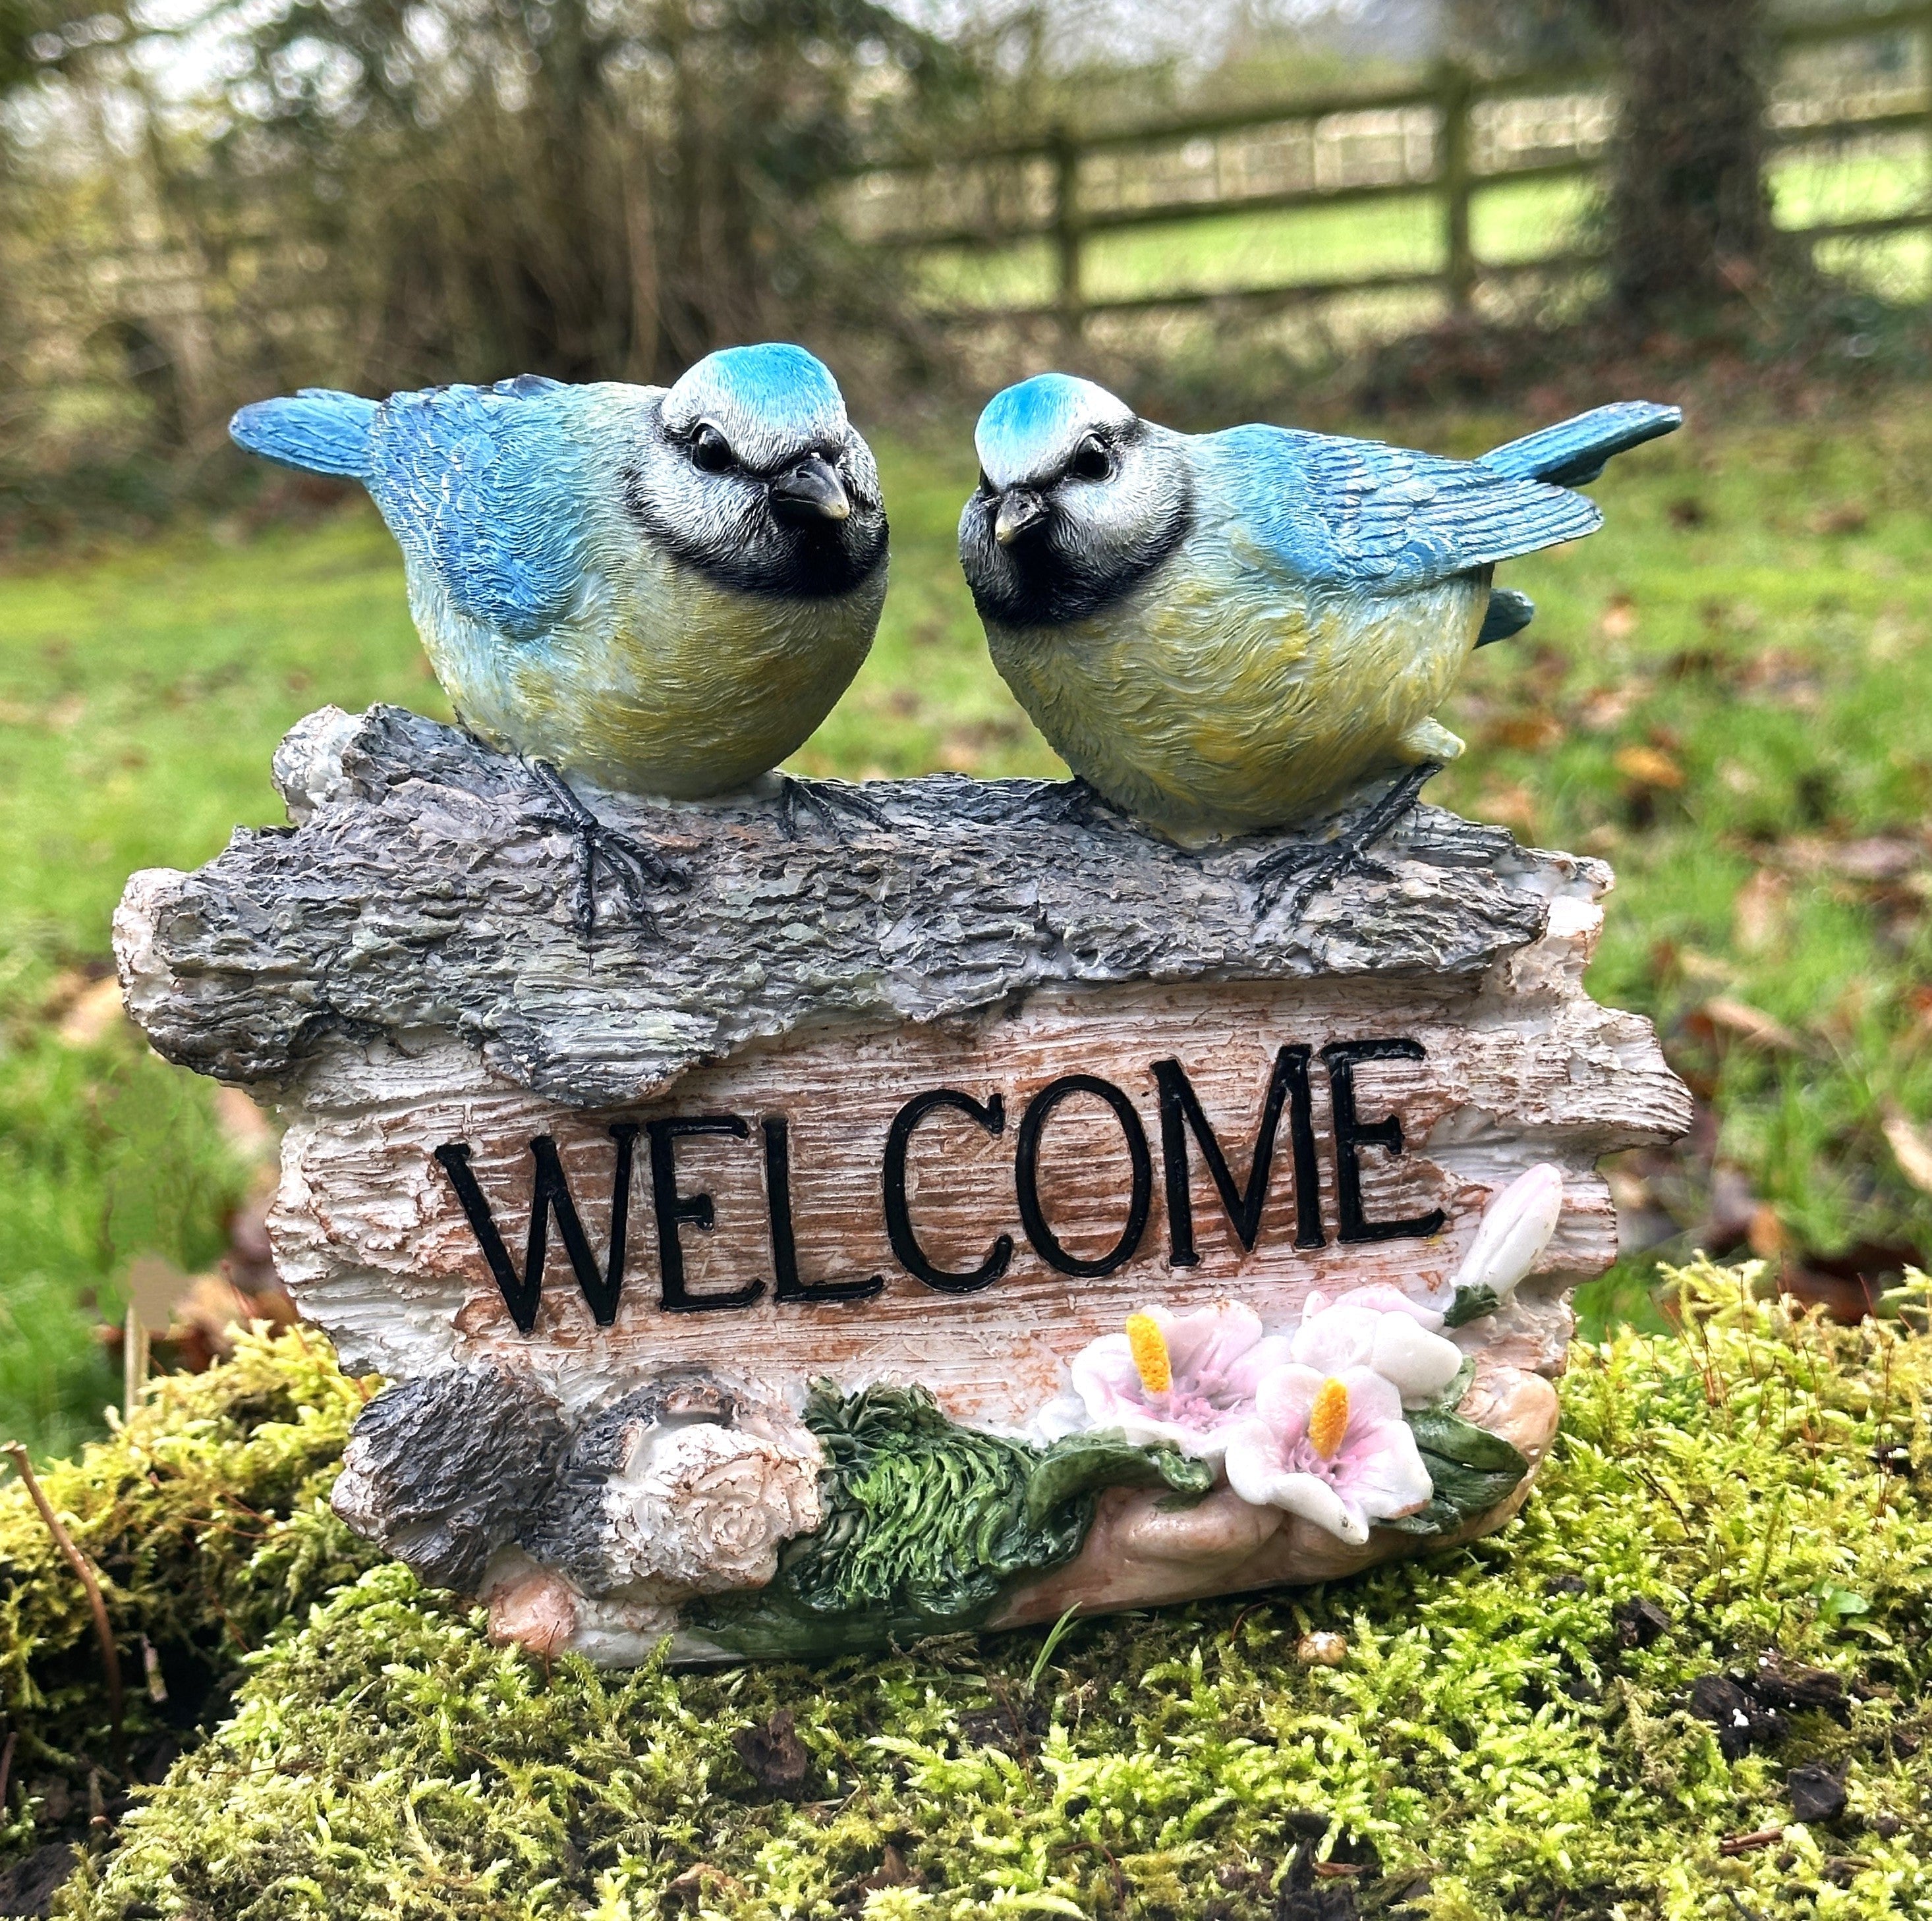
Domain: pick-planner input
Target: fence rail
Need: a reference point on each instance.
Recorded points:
(1047, 173)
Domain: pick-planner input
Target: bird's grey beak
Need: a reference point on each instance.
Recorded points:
(1020, 507)
(811, 491)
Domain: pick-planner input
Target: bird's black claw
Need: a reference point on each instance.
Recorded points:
(1076, 803)
(833, 804)
(638, 867)
(1295, 875)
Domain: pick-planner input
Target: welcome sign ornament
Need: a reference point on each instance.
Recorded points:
(987, 1210)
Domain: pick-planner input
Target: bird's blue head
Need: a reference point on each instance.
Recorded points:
(1079, 501)
(755, 476)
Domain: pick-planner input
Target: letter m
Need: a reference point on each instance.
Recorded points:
(1180, 1114)
(549, 1195)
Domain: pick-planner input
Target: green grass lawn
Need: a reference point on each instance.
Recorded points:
(1728, 693)
(1510, 222)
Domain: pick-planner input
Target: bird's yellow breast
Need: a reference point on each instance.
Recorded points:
(1206, 712)
(658, 682)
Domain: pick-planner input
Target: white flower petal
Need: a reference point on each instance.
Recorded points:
(1384, 1297)
(1388, 1478)
(1103, 1373)
(1283, 1397)
(1419, 1363)
(1516, 1226)
(1338, 1336)
(1146, 1430)
(1253, 1463)
(1261, 1360)
(1067, 1414)
(1211, 1340)
(1315, 1500)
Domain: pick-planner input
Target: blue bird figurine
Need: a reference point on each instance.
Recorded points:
(662, 591)
(1228, 632)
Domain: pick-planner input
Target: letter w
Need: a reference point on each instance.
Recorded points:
(550, 1195)
(1181, 1111)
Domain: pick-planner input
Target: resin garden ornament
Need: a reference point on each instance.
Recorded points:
(1233, 631)
(977, 1210)
(978, 1206)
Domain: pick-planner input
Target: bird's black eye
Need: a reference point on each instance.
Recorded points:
(986, 485)
(711, 451)
(1091, 460)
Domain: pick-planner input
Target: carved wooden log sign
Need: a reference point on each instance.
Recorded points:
(932, 1219)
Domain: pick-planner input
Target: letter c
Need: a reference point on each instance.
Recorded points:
(992, 1116)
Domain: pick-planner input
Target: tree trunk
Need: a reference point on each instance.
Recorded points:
(1689, 212)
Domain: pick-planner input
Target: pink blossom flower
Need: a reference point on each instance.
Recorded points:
(1380, 1329)
(1384, 1296)
(1332, 1448)
(1186, 1379)
(1516, 1226)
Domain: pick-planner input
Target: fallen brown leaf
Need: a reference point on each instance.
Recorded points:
(154, 1285)
(773, 1755)
(1848, 517)
(1619, 618)
(1511, 807)
(1909, 1147)
(93, 1014)
(1875, 857)
(1751, 1024)
(1649, 767)
(892, 1873)
(1533, 733)
(1697, 966)
(243, 1126)
(1609, 707)
(1765, 1236)
(1758, 913)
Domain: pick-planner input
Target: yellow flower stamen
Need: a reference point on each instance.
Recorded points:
(1328, 1419)
(1151, 1361)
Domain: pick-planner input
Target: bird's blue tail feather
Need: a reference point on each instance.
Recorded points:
(319, 431)
(1574, 452)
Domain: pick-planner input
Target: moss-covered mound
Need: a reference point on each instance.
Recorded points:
(1722, 1579)
(207, 1516)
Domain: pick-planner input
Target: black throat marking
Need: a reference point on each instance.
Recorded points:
(1049, 580)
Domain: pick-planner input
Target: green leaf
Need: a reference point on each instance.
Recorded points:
(1470, 1469)
(1080, 1463)
(1471, 1303)
(1450, 1398)
(1438, 1431)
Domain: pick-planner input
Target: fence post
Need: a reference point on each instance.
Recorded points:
(1454, 91)
(1925, 61)
(1066, 232)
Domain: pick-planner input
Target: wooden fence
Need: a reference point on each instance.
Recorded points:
(1437, 139)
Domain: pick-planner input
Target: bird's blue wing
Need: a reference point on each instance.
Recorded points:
(1572, 452)
(318, 429)
(1356, 512)
(482, 485)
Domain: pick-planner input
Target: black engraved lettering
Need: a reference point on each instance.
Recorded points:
(1181, 1111)
(906, 1249)
(676, 1210)
(550, 1193)
(784, 1246)
(1026, 1175)
(1352, 1134)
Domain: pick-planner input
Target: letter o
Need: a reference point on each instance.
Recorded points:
(1026, 1176)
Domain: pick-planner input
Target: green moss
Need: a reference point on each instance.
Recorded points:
(1486, 1749)
(207, 1517)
